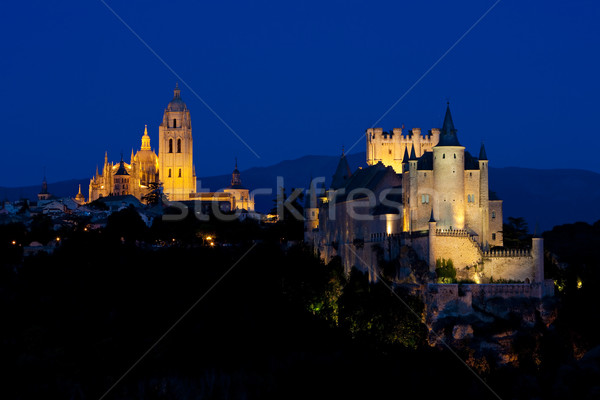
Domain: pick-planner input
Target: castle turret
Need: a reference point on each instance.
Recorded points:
(342, 173)
(432, 232)
(484, 197)
(413, 185)
(449, 177)
(176, 150)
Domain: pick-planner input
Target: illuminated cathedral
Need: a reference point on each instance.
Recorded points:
(173, 167)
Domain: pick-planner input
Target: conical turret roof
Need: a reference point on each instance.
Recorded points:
(342, 173)
(448, 133)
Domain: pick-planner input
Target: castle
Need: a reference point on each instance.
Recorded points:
(173, 167)
(422, 191)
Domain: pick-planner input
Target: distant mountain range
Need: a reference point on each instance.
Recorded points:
(543, 197)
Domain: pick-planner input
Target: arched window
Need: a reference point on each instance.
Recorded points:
(169, 172)
(179, 145)
(174, 122)
(454, 155)
(179, 172)
(443, 155)
(170, 145)
(493, 214)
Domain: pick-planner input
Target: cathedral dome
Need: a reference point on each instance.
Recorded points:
(145, 157)
(176, 104)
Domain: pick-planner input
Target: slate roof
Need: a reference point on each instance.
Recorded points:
(342, 174)
(425, 162)
(448, 133)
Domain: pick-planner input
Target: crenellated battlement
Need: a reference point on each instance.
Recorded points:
(382, 236)
(453, 232)
(508, 253)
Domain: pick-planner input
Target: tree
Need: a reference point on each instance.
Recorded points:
(445, 271)
(155, 194)
(516, 233)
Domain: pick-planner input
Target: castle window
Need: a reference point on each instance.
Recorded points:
(170, 145)
(493, 236)
(471, 198)
(169, 172)
(493, 214)
(471, 174)
(179, 145)
(179, 172)
(454, 155)
(424, 199)
(443, 155)
(174, 123)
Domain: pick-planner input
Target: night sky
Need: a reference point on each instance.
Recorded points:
(294, 78)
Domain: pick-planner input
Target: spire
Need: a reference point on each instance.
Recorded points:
(177, 103)
(413, 156)
(236, 179)
(96, 170)
(431, 219)
(482, 153)
(145, 139)
(105, 158)
(448, 133)
(406, 157)
(79, 189)
(44, 184)
(342, 173)
(131, 162)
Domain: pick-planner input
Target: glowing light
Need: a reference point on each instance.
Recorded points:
(209, 238)
(388, 223)
(212, 244)
(14, 242)
(579, 283)
(57, 239)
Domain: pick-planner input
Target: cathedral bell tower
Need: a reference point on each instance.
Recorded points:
(175, 152)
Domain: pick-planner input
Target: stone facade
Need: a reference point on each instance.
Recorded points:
(173, 166)
(438, 202)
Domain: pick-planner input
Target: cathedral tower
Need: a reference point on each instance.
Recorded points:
(175, 150)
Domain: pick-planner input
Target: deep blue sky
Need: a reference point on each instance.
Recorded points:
(295, 78)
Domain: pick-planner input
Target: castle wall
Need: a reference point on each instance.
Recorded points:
(516, 267)
(457, 246)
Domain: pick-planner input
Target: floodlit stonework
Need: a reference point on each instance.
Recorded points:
(423, 191)
(173, 167)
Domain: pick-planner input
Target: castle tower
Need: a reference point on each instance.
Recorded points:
(484, 197)
(342, 173)
(175, 152)
(449, 178)
(413, 189)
